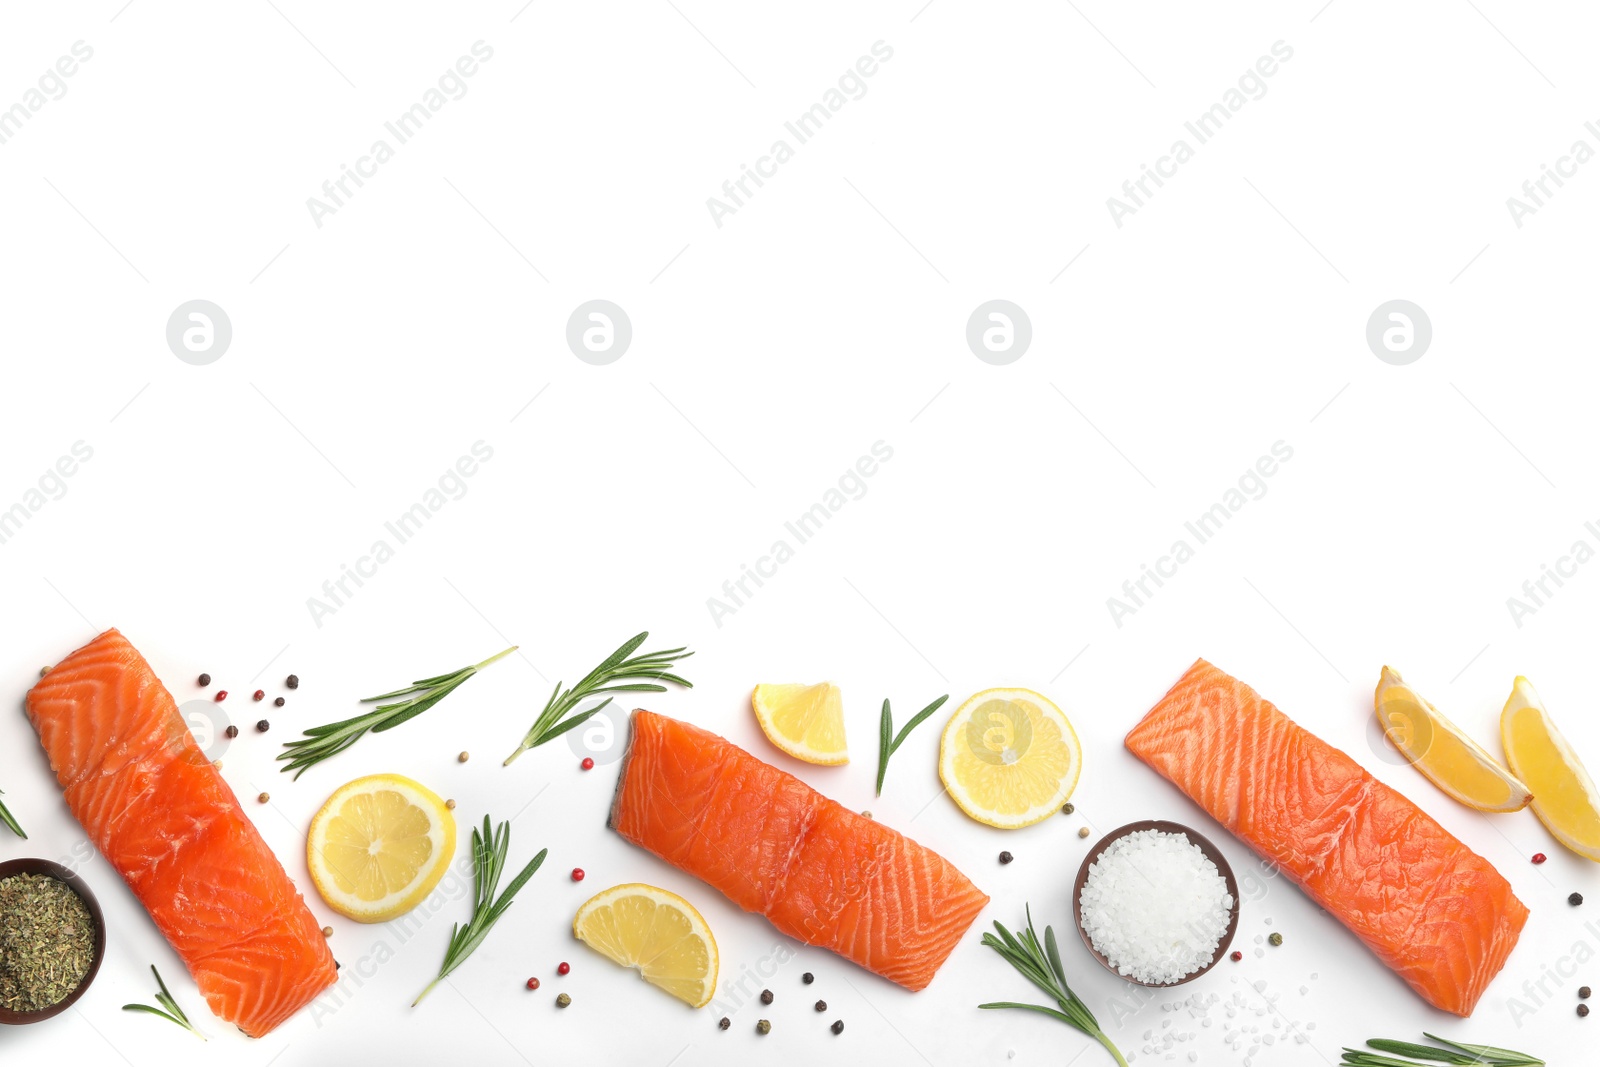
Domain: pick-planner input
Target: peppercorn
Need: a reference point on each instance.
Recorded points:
(258, 694)
(1068, 808)
(763, 1027)
(463, 757)
(1583, 1010)
(263, 798)
(1236, 956)
(327, 931)
(1538, 857)
(222, 694)
(1575, 899)
(577, 874)
(293, 681)
(278, 703)
(724, 1023)
(450, 804)
(1005, 857)
(563, 968)
(808, 978)
(1583, 992)
(231, 732)
(563, 1000)
(766, 996)
(1083, 831)
(866, 815)
(263, 726)
(822, 1005)
(838, 1026)
(533, 983)
(205, 680)
(587, 764)
(1274, 939)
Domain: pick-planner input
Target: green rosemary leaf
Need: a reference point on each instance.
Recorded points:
(1041, 965)
(888, 747)
(173, 1014)
(322, 742)
(10, 820)
(490, 848)
(621, 667)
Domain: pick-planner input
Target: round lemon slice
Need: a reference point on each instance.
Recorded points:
(1009, 757)
(379, 846)
(1564, 796)
(806, 721)
(1436, 747)
(658, 934)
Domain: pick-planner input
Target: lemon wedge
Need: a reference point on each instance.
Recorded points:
(806, 721)
(1564, 796)
(1009, 757)
(379, 846)
(658, 934)
(1445, 755)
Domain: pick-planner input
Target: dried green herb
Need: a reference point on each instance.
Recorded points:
(46, 942)
(173, 1014)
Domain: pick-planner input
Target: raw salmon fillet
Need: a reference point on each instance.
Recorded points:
(161, 814)
(771, 844)
(1438, 914)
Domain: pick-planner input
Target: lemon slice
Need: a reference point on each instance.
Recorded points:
(658, 934)
(1009, 757)
(1564, 796)
(1437, 747)
(806, 721)
(379, 846)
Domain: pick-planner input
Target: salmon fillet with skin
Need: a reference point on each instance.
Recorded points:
(163, 816)
(1438, 914)
(771, 844)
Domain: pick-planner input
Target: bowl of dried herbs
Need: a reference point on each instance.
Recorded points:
(52, 938)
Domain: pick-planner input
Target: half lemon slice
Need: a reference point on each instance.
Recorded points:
(658, 934)
(1564, 796)
(379, 846)
(1009, 757)
(1444, 755)
(806, 721)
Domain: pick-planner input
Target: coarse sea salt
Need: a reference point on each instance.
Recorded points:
(1155, 906)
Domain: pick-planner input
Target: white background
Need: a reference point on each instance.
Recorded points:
(829, 313)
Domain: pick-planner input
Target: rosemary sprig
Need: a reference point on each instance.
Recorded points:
(489, 850)
(320, 742)
(173, 1014)
(1042, 967)
(10, 820)
(556, 718)
(1456, 1053)
(886, 747)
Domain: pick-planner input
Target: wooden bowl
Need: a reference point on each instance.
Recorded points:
(96, 917)
(1211, 853)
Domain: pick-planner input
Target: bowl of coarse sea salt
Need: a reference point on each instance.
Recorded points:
(1156, 903)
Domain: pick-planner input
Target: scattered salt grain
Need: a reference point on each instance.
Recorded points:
(1155, 906)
